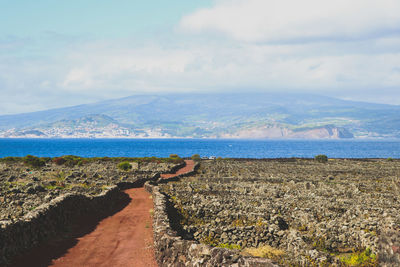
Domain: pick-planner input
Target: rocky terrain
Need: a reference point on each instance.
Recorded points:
(294, 211)
(23, 187)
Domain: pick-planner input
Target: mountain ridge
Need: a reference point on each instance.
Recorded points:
(224, 115)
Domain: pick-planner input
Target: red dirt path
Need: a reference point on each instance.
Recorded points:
(123, 239)
(188, 168)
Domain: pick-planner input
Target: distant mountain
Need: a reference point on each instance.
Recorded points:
(253, 115)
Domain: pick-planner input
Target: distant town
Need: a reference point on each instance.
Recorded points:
(84, 132)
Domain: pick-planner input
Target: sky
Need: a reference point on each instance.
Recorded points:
(63, 53)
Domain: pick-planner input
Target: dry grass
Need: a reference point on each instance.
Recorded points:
(264, 252)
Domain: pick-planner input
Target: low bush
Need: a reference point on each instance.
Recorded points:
(10, 159)
(59, 160)
(196, 157)
(174, 158)
(125, 166)
(149, 159)
(70, 160)
(34, 162)
(321, 158)
(83, 161)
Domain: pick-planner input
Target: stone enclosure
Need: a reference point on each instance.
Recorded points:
(298, 211)
(37, 204)
(24, 188)
(230, 212)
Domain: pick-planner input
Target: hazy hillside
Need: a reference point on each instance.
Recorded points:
(217, 115)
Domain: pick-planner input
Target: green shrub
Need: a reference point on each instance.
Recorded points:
(10, 159)
(390, 159)
(83, 161)
(69, 160)
(321, 158)
(125, 166)
(34, 162)
(150, 159)
(105, 159)
(360, 258)
(174, 158)
(59, 160)
(196, 157)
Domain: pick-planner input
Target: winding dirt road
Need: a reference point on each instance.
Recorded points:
(188, 168)
(122, 239)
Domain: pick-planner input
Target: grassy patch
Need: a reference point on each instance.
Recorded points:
(264, 252)
(210, 240)
(105, 187)
(54, 187)
(229, 246)
(320, 244)
(360, 258)
(83, 185)
(238, 222)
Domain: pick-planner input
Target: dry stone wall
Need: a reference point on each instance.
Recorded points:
(42, 203)
(389, 247)
(316, 213)
(172, 250)
(23, 189)
(50, 220)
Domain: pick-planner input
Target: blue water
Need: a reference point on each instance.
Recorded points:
(204, 147)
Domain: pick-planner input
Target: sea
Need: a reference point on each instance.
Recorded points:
(226, 148)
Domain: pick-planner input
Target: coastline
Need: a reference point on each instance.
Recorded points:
(186, 147)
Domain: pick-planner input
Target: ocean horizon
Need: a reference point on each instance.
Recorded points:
(226, 148)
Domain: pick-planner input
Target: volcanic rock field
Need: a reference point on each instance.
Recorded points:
(298, 211)
(24, 188)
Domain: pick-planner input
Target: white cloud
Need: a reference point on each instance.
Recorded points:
(99, 70)
(204, 67)
(271, 48)
(78, 77)
(119, 67)
(297, 21)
